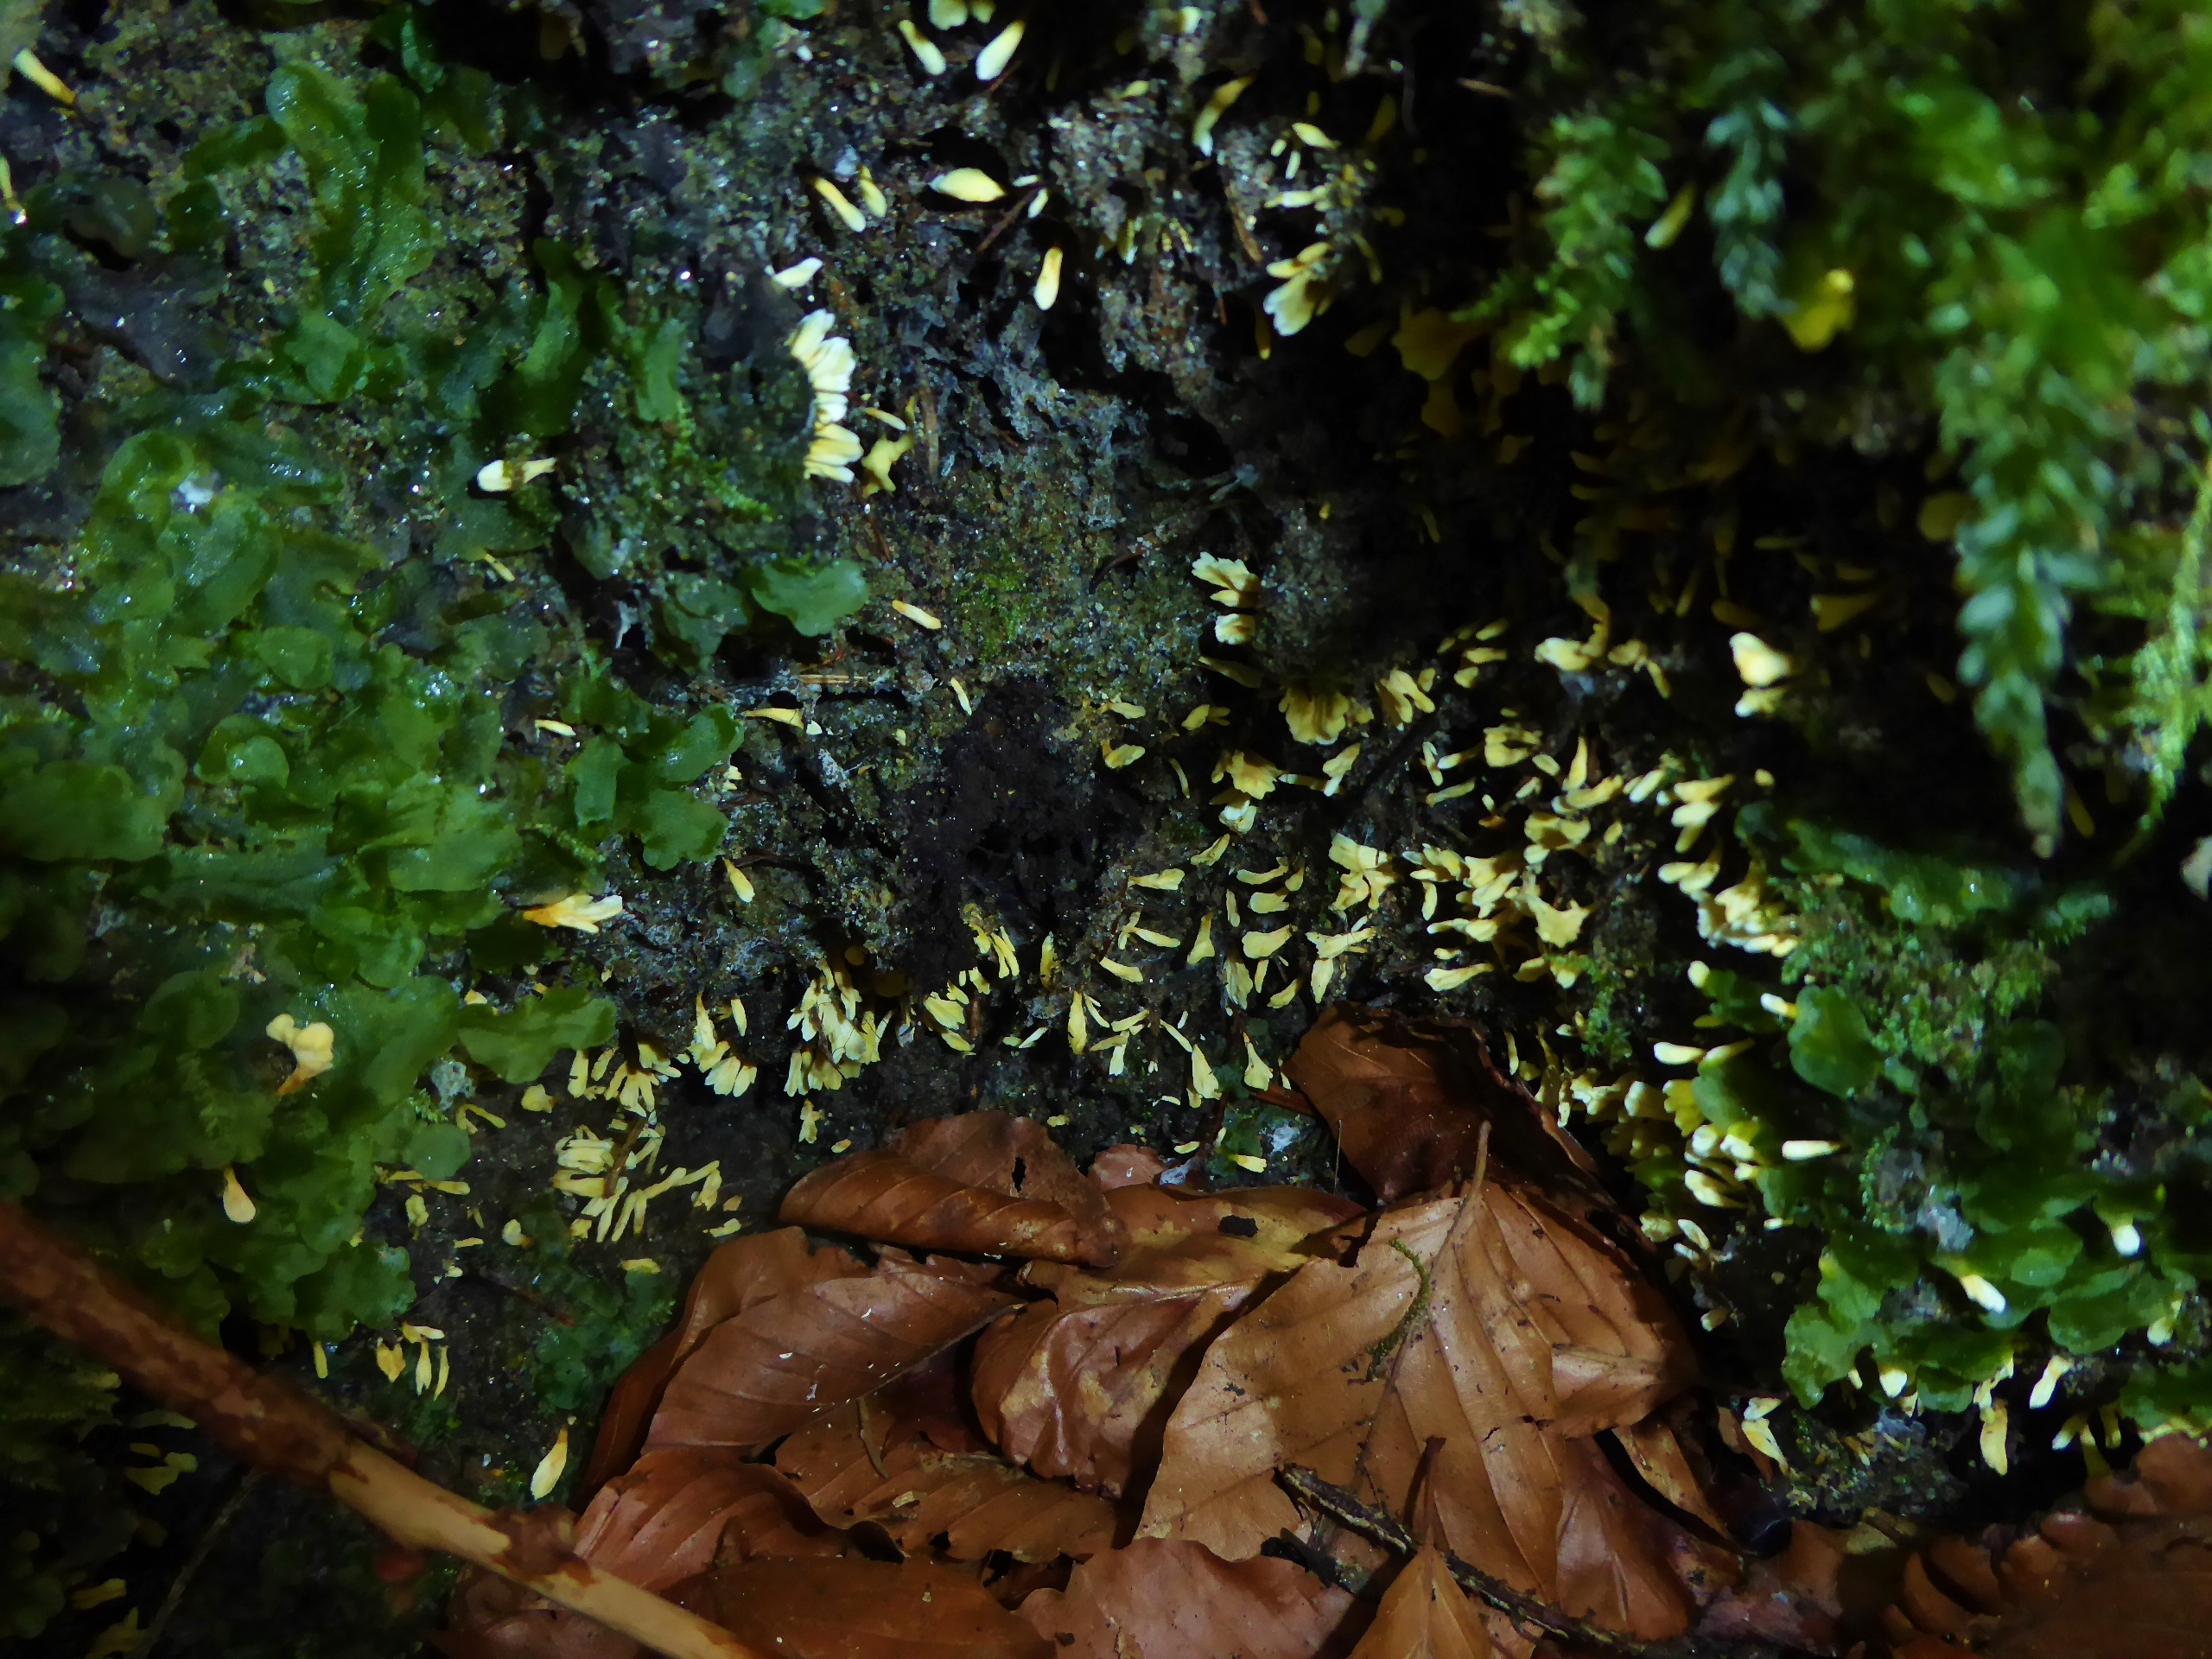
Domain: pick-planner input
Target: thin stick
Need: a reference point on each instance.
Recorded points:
(275, 1427)
(232, 1503)
(1532, 1616)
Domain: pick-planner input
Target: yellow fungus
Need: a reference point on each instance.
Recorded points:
(236, 1203)
(314, 1050)
(498, 477)
(969, 184)
(547, 1475)
(1216, 106)
(991, 61)
(834, 198)
(577, 910)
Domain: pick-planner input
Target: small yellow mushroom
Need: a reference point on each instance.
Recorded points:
(236, 1203)
(576, 910)
(1048, 279)
(797, 275)
(28, 65)
(968, 184)
(872, 196)
(924, 48)
(991, 61)
(834, 198)
(1216, 106)
(916, 615)
(314, 1050)
(948, 13)
(547, 1475)
(498, 477)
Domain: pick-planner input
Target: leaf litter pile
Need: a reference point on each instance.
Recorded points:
(1113, 1416)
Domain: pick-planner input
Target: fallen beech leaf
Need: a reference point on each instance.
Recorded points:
(851, 1609)
(1079, 1386)
(1424, 1615)
(1657, 1454)
(1408, 1101)
(915, 1492)
(735, 1276)
(1448, 1325)
(931, 1402)
(677, 1512)
(1163, 1598)
(983, 1182)
(765, 1369)
(672, 1517)
(2171, 1478)
(2078, 1586)
(1795, 1597)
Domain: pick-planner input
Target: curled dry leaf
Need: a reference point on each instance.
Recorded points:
(1080, 1386)
(851, 1609)
(1163, 1598)
(1800, 1598)
(1408, 1101)
(676, 1515)
(917, 1492)
(983, 1182)
(1492, 1322)
(1424, 1615)
(764, 1369)
(678, 1512)
(738, 1274)
(2129, 1577)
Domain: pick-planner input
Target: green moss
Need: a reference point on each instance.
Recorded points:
(1910, 191)
(1968, 1225)
(254, 766)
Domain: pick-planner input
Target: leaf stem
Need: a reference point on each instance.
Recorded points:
(1531, 1616)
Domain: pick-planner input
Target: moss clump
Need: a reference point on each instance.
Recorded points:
(263, 757)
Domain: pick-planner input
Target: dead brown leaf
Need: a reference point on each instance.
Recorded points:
(1493, 1322)
(983, 1182)
(674, 1515)
(1079, 1387)
(1163, 1598)
(1796, 1596)
(1424, 1615)
(1409, 1099)
(2130, 1580)
(851, 1609)
(917, 1492)
(678, 1512)
(764, 1369)
(735, 1276)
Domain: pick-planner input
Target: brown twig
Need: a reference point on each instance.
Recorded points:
(232, 1503)
(1020, 205)
(269, 1423)
(1532, 1616)
(544, 1304)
